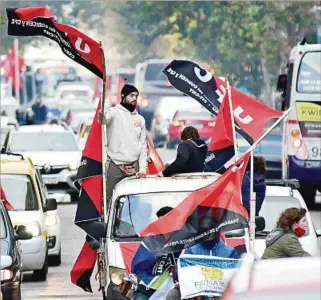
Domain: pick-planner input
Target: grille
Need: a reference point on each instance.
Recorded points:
(53, 170)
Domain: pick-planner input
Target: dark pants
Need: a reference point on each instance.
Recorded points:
(114, 175)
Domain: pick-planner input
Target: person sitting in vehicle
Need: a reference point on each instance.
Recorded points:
(259, 184)
(283, 241)
(40, 110)
(212, 246)
(142, 292)
(191, 153)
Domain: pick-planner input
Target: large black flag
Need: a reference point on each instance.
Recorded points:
(40, 21)
(250, 115)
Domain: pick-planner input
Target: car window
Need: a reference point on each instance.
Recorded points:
(154, 72)
(3, 229)
(19, 192)
(135, 212)
(272, 208)
(43, 141)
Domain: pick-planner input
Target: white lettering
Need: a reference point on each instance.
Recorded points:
(221, 91)
(86, 48)
(245, 120)
(205, 78)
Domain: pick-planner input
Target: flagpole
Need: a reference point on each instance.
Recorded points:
(16, 73)
(228, 87)
(103, 142)
(252, 205)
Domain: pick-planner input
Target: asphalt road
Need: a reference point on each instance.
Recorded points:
(58, 285)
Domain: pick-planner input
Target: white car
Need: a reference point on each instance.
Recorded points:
(136, 201)
(285, 278)
(53, 149)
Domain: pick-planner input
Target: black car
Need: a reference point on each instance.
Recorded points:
(11, 275)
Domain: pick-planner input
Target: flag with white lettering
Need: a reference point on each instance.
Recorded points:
(40, 21)
(250, 115)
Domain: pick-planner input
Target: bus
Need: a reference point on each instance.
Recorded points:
(301, 88)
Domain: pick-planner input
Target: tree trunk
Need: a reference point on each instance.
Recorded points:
(267, 78)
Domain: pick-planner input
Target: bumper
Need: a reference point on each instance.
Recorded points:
(33, 253)
(10, 289)
(63, 181)
(304, 170)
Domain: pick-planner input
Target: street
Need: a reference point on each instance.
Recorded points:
(58, 285)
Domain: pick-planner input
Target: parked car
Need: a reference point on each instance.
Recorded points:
(279, 279)
(165, 110)
(11, 274)
(22, 187)
(201, 119)
(53, 149)
(136, 201)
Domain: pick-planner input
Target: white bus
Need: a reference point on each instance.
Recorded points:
(302, 133)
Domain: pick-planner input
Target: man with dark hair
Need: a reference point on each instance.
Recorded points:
(40, 111)
(163, 211)
(259, 184)
(191, 153)
(126, 139)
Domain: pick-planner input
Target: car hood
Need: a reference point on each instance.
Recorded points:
(59, 158)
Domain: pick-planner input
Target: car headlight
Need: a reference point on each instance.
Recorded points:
(5, 275)
(34, 228)
(50, 221)
(116, 275)
(73, 166)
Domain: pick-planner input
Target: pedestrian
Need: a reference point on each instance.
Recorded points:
(40, 110)
(259, 184)
(126, 139)
(283, 241)
(191, 153)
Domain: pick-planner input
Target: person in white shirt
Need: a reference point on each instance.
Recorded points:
(126, 139)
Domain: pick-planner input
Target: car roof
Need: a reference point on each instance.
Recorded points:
(11, 164)
(43, 128)
(184, 182)
(276, 274)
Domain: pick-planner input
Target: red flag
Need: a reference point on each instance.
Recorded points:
(221, 153)
(155, 163)
(83, 267)
(35, 21)
(222, 199)
(3, 197)
(90, 200)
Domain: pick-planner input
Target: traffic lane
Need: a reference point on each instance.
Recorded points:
(58, 284)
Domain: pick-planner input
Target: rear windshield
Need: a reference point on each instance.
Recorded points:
(19, 192)
(154, 72)
(309, 78)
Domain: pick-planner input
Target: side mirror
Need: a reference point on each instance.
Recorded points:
(318, 233)
(51, 204)
(21, 233)
(282, 83)
(5, 261)
(259, 223)
(98, 230)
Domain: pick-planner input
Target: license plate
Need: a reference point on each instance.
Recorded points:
(50, 181)
(314, 148)
(197, 126)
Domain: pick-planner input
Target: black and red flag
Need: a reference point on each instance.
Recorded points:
(90, 203)
(250, 115)
(155, 163)
(221, 199)
(40, 21)
(221, 154)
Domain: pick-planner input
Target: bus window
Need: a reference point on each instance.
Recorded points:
(309, 76)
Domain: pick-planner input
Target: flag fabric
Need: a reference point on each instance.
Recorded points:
(4, 199)
(9, 66)
(250, 115)
(83, 267)
(90, 202)
(40, 21)
(155, 163)
(221, 154)
(221, 200)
